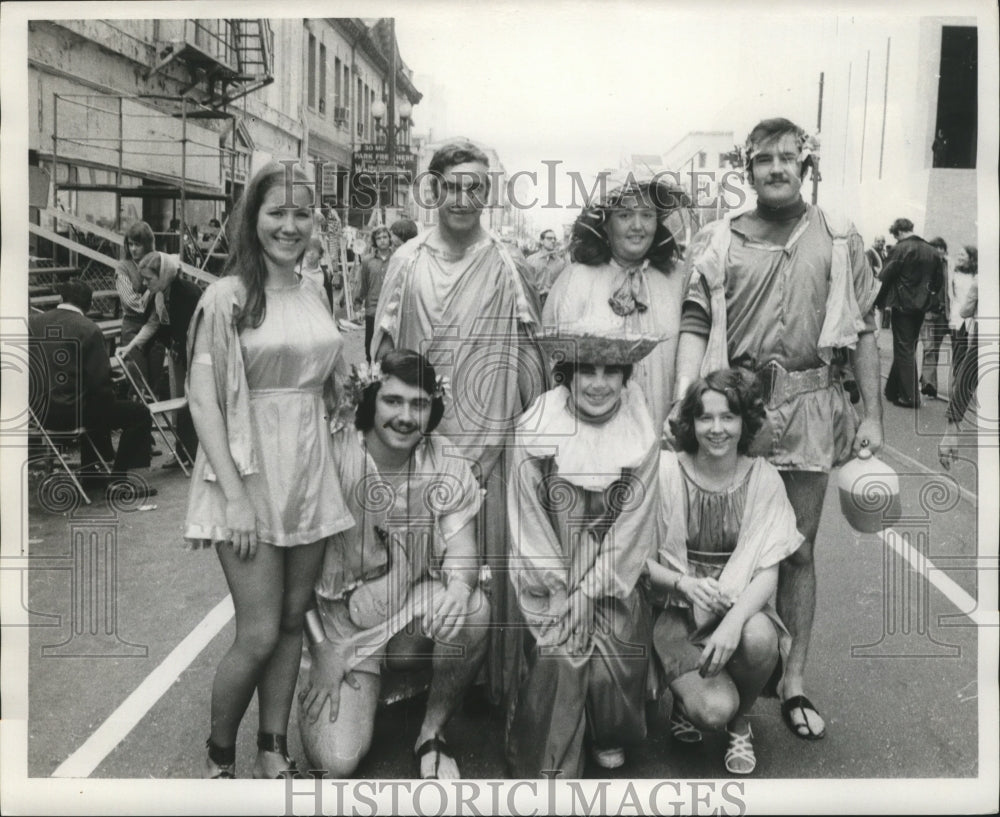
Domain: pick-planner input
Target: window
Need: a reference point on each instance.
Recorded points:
(337, 101)
(322, 78)
(311, 72)
(954, 139)
(359, 106)
(702, 158)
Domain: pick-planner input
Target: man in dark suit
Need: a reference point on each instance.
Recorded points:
(168, 317)
(69, 349)
(911, 278)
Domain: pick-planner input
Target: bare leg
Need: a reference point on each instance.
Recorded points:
(453, 673)
(336, 747)
(752, 664)
(797, 584)
(276, 687)
(256, 589)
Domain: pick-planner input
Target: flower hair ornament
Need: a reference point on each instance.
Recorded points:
(364, 375)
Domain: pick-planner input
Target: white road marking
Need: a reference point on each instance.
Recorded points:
(963, 602)
(965, 493)
(120, 722)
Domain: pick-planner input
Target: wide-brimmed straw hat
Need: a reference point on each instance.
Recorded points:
(587, 344)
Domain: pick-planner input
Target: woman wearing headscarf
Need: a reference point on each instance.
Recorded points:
(624, 276)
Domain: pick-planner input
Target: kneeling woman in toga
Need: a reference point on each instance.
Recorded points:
(726, 524)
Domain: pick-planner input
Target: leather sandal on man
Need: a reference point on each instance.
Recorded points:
(435, 744)
(800, 730)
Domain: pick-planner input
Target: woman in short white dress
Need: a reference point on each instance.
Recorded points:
(264, 491)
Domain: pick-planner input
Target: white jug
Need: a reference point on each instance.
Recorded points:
(869, 493)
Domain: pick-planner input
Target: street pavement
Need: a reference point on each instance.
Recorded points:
(893, 662)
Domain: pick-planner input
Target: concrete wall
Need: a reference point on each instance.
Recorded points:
(875, 179)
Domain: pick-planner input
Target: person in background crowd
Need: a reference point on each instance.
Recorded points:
(402, 230)
(935, 328)
(913, 275)
(876, 254)
(373, 270)
(412, 558)
(168, 315)
(546, 264)
(313, 266)
(583, 494)
(624, 274)
(265, 491)
(459, 276)
(965, 349)
(134, 298)
(725, 526)
(786, 286)
(70, 349)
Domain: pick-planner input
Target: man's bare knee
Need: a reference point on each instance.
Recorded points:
(337, 747)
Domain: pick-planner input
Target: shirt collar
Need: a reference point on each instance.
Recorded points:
(70, 307)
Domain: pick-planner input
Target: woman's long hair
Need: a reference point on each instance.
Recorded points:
(246, 256)
(972, 265)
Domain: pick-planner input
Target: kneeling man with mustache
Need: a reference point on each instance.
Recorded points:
(411, 557)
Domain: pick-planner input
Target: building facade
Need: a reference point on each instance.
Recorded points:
(167, 119)
(902, 103)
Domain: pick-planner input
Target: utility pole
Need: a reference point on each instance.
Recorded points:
(819, 127)
(391, 113)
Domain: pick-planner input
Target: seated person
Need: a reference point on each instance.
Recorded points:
(412, 557)
(582, 509)
(725, 525)
(76, 389)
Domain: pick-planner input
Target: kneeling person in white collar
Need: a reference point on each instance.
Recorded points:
(583, 494)
(411, 556)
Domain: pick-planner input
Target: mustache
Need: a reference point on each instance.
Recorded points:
(402, 428)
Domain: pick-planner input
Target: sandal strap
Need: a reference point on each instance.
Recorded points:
(224, 757)
(270, 742)
(434, 744)
(682, 729)
(741, 748)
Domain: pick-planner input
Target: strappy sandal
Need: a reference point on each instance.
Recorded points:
(269, 742)
(740, 749)
(681, 728)
(434, 744)
(224, 760)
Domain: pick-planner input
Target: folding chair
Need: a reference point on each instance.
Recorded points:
(159, 409)
(56, 440)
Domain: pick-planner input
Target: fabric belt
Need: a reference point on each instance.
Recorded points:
(778, 385)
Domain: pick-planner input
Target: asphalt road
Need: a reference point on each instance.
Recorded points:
(893, 663)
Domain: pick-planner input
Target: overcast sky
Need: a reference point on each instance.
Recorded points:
(589, 82)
